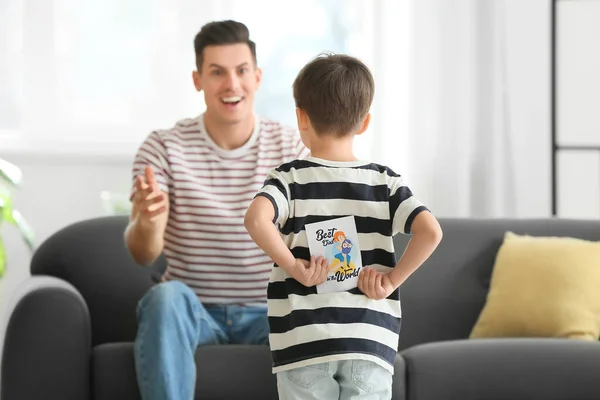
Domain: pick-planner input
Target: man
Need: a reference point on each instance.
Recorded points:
(192, 186)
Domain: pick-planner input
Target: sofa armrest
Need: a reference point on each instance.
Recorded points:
(399, 379)
(47, 346)
(549, 369)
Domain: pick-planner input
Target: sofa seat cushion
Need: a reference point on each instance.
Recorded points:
(223, 372)
(501, 369)
(543, 287)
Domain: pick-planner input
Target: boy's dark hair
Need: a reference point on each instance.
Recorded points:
(336, 92)
(219, 33)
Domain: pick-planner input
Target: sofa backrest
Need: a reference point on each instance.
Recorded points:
(442, 299)
(91, 255)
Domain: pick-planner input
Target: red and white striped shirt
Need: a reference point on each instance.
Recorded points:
(206, 244)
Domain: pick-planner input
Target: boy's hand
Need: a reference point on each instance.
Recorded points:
(310, 273)
(375, 285)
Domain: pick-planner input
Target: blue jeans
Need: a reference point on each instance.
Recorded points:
(172, 323)
(344, 380)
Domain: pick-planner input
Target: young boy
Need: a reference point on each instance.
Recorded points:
(336, 344)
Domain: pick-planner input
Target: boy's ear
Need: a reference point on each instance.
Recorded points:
(365, 124)
(302, 118)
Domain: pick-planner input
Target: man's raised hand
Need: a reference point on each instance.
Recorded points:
(148, 200)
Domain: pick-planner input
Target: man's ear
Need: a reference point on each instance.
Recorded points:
(365, 124)
(258, 77)
(302, 119)
(197, 78)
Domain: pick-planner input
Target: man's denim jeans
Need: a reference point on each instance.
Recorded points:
(172, 323)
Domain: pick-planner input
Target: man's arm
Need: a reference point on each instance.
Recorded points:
(144, 235)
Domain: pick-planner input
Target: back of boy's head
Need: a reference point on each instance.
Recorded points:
(336, 92)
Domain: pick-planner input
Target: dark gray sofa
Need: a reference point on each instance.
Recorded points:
(71, 328)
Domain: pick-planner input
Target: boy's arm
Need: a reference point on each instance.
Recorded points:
(259, 224)
(411, 216)
(427, 234)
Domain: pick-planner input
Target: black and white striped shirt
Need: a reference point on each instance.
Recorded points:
(308, 328)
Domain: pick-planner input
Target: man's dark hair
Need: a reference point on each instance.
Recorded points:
(336, 92)
(219, 33)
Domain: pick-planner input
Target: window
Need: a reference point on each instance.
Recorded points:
(79, 75)
(285, 42)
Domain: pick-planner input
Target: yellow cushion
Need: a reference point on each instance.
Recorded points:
(543, 287)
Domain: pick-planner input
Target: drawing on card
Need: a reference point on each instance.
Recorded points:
(337, 240)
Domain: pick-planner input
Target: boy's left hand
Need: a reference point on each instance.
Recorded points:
(375, 285)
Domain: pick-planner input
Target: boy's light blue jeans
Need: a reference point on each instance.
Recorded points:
(343, 380)
(172, 323)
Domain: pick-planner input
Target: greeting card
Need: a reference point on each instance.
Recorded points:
(337, 240)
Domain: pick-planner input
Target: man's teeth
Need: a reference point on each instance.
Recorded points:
(233, 99)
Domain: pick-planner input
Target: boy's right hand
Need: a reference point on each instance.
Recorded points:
(149, 202)
(310, 273)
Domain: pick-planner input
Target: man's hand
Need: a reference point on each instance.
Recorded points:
(375, 285)
(148, 221)
(310, 273)
(149, 202)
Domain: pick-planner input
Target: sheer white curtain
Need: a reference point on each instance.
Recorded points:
(99, 76)
(470, 113)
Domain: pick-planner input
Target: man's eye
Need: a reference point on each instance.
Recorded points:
(216, 72)
(243, 70)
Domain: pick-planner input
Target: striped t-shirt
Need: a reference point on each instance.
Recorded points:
(308, 328)
(206, 244)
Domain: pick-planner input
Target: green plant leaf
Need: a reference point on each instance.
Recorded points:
(6, 209)
(2, 259)
(11, 176)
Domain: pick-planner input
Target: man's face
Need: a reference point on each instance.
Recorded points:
(229, 79)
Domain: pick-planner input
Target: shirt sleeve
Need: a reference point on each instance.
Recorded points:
(404, 206)
(276, 189)
(152, 152)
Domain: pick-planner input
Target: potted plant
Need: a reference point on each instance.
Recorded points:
(10, 179)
